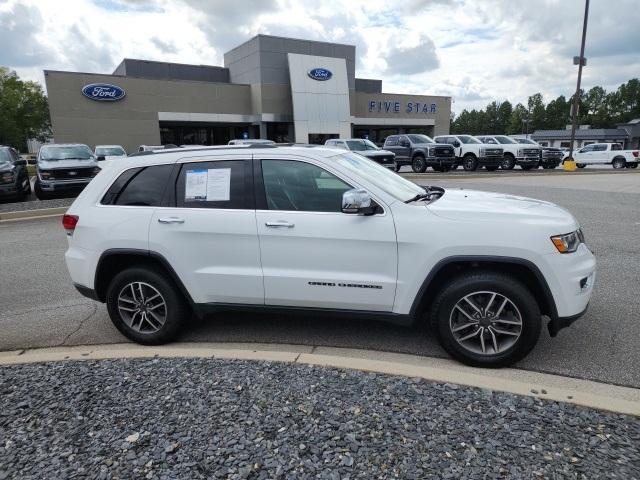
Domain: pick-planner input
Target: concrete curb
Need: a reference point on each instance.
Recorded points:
(32, 214)
(540, 385)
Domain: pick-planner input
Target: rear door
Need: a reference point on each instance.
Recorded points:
(313, 255)
(391, 144)
(206, 230)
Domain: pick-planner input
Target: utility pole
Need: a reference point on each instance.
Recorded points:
(581, 61)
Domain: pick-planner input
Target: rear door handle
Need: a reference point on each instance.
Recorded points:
(171, 220)
(279, 224)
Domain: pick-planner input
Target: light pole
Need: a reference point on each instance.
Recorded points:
(570, 164)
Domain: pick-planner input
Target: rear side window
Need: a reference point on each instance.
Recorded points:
(220, 184)
(616, 146)
(143, 187)
(391, 141)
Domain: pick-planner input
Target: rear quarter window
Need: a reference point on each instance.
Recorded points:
(141, 187)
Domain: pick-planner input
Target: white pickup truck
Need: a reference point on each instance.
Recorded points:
(606, 153)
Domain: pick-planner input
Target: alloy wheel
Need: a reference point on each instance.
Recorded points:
(485, 323)
(142, 307)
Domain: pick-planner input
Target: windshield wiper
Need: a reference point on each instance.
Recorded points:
(427, 194)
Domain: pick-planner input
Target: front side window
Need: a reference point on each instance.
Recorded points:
(219, 184)
(599, 148)
(73, 152)
(300, 186)
(505, 140)
(587, 148)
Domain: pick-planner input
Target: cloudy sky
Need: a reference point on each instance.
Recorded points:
(475, 51)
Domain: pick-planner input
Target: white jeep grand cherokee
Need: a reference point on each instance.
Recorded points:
(323, 230)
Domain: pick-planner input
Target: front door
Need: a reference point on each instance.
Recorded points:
(208, 232)
(313, 255)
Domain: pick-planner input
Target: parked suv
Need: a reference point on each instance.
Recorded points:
(170, 233)
(527, 157)
(420, 151)
(550, 157)
(14, 179)
(471, 153)
(64, 168)
(366, 148)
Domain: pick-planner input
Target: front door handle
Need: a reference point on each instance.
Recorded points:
(279, 224)
(171, 220)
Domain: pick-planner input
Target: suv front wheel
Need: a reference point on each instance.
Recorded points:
(486, 319)
(145, 305)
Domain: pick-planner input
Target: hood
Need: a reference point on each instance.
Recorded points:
(474, 205)
(55, 164)
(377, 153)
(112, 157)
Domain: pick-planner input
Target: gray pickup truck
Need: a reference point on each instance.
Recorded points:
(64, 169)
(420, 152)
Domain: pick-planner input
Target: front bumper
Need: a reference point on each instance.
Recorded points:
(441, 161)
(63, 185)
(493, 161)
(9, 191)
(528, 160)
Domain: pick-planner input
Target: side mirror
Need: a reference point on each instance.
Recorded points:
(100, 158)
(456, 143)
(358, 201)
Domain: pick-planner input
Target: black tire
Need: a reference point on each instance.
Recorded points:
(40, 194)
(419, 164)
(509, 162)
(632, 165)
(443, 306)
(469, 163)
(491, 168)
(619, 163)
(581, 165)
(177, 311)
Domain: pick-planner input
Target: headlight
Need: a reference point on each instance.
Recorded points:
(7, 177)
(483, 152)
(432, 152)
(520, 153)
(569, 242)
(45, 174)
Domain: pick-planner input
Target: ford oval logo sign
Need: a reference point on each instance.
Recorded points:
(320, 74)
(103, 92)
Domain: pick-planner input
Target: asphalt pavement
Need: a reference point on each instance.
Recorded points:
(39, 307)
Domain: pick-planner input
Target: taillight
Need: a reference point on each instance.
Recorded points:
(69, 223)
(635, 153)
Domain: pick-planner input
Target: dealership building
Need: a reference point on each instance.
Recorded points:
(282, 89)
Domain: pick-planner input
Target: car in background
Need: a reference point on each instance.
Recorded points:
(527, 157)
(63, 169)
(14, 178)
(550, 157)
(366, 148)
(471, 153)
(109, 152)
(606, 153)
(251, 141)
(420, 151)
(150, 148)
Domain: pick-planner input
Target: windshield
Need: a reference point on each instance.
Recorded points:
(379, 176)
(526, 140)
(505, 140)
(5, 156)
(420, 139)
(110, 152)
(76, 152)
(468, 139)
(356, 145)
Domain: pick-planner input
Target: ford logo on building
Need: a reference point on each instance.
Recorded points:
(320, 74)
(103, 92)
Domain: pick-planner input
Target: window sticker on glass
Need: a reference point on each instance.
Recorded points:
(196, 185)
(218, 184)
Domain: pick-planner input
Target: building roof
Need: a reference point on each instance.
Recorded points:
(583, 133)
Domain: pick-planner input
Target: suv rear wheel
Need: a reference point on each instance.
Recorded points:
(486, 319)
(619, 162)
(145, 305)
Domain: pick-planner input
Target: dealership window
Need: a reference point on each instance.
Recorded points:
(220, 184)
(320, 138)
(278, 132)
(300, 186)
(563, 144)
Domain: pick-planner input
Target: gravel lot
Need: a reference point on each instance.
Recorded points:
(35, 204)
(210, 418)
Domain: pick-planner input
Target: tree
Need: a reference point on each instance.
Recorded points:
(24, 111)
(518, 117)
(557, 114)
